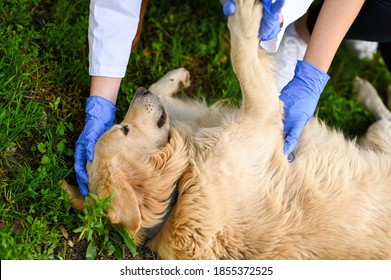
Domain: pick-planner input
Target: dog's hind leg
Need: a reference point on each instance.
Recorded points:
(250, 63)
(368, 95)
(378, 136)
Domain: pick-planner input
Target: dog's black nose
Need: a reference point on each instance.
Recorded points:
(141, 91)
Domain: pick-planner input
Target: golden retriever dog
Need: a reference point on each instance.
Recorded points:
(198, 182)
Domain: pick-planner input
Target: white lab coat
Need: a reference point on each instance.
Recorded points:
(112, 27)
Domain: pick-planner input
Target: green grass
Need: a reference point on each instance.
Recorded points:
(43, 85)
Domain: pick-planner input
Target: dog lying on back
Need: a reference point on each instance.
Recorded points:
(199, 182)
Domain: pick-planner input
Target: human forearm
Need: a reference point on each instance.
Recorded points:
(334, 20)
(106, 87)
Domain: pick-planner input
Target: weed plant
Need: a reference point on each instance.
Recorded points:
(43, 86)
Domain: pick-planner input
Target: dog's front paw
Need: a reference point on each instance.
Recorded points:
(245, 22)
(179, 78)
(171, 82)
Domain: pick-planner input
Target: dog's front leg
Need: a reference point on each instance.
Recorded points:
(177, 109)
(250, 63)
(186, 110)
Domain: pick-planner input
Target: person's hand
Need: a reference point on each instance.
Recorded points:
(300, 97)
(100, 114)
(270, 23)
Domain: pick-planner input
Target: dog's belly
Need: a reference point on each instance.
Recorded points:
(319, 207)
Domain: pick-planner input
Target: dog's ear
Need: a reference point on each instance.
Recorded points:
(76, 199)
(125, 203)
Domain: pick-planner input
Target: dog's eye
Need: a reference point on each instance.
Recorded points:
(125, 130)
(163, 118)
(161, 122)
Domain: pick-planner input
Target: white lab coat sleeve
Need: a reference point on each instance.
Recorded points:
(291, 11)
(112, 27)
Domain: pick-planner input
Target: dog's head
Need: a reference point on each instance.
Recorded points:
(139, 161)
(144, 128)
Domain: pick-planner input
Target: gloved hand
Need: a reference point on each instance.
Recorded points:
(270, 23)
(300, 97)
(100, 114)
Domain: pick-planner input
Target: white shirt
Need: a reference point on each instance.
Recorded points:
(112, 27)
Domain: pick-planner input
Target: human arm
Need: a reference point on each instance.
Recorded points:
(106, 87)
(112, 27)
(332, 24)
(302, 93)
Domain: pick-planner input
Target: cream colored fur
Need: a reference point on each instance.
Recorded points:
(239, 198)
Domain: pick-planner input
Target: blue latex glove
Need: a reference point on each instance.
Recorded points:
(100, 114)
(270, 23)
(229, 8)
(300, 97)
